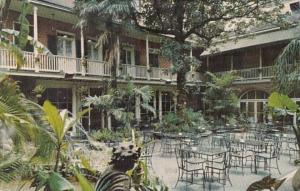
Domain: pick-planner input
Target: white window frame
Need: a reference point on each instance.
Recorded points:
(92, 42)
(67, 36)
(131, 49)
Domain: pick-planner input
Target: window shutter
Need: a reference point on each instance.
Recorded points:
(137, 57)
(78, 49)
(52, 44)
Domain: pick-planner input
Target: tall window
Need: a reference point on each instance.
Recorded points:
(167, 103)
(60, 97)
(65, 45)
(93, 52)
(253, 105)
(127, 55)
(153, 60)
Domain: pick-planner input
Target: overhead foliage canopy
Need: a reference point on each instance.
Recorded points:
(203, 22)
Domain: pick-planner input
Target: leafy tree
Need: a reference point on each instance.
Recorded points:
(15, 120)
(286, 68)
(120, 103)
(60, 123)
(182, 20)
(284, 105)
(220, 97)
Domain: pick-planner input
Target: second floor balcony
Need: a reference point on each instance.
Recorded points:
(58, 65)
(252, 74)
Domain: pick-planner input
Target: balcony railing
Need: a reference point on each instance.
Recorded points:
(62, 64)
(252, 73)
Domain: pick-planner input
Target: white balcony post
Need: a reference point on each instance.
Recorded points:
(74, 106)
(231, 62)
(35, 38)
(109, 122)
(160, 105)
(138, 108)
(147, 57)
(191, 56)
(118, 57)
(102, 120)
(207, 63)
(154, 104)
(260, 63)
(83, 68)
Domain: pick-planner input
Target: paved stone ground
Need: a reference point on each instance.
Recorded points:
(165, 167)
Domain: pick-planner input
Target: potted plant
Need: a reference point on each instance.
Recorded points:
(38, 91)
(84, 64)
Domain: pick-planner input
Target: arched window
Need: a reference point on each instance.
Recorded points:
(255, 94)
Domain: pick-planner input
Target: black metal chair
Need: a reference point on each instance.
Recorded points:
(168, 146)
(189, 166)
(240, 156)
(271, 153)
(293, 150)
(147, 152)
(218, 169)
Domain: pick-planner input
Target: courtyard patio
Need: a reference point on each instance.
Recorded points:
(239, 147)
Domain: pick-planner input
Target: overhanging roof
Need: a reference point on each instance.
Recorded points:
(264, 37)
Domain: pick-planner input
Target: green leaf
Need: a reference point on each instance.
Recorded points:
(58, 183)
(281, 101)
(24, 28)
(54, 118)
(84, 183)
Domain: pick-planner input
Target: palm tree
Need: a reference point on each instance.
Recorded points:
(107, 12)
(287, 73)
(120, 103)
(286, 68)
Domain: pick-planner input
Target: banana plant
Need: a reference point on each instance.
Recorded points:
(60, 124)
(285, 105)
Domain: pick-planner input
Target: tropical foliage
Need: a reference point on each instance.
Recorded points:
(106, 135)
(190, 122)
(120, 102)
(286, 68)
(220, 98)
(197, 20)
(284, 105)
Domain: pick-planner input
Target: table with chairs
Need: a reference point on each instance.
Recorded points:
(212, 158)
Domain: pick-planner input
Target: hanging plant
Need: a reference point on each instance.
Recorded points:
(38, 91)
(84, 63)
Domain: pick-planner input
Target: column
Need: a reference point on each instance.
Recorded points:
(118, 56)
(35, 38)
(231, 62)
(260, 63)
(207, 63)
(138, 108)
(147, 57)
(83, 64)
(191, 57)
(74, 106)
(102, 120)
(154, 104)
(109, 122)
(160, 105)
(175, 103)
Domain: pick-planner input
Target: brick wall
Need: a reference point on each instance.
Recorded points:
(49, 27)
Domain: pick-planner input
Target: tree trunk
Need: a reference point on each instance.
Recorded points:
(181, 92)
(57, 159)
(4, 12)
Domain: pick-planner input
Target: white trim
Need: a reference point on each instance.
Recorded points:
(72, 39)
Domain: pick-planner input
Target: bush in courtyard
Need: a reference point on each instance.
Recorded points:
(189, 122)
